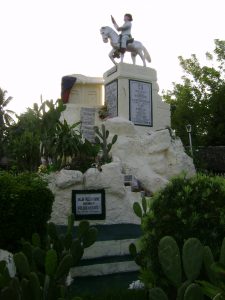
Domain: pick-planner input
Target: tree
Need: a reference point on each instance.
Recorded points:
(5, 119)
(67, 142)
(33, 136)
(24, 141)
(39, 133)
(5, 114)
(200, 99)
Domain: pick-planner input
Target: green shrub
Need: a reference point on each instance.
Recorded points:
(186, 207)
(25, 207)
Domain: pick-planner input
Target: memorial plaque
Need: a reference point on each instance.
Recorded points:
(88, 204)
(87, 117)
(140, 102)
(111, 98)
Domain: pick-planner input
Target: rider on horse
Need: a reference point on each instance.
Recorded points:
(125, 35)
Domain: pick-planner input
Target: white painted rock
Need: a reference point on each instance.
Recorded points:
(66, 178)
(110, 179)
(8, 257)
(120, 126)
(158, 141)
(153, 157)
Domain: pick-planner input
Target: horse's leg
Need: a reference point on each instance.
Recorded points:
(142, 57)
(133, 56)
(111, 56)
(122, 57)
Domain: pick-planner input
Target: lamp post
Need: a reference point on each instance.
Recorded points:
(188, 128)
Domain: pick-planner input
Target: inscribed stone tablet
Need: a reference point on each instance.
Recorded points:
(87, 117)
(111, 98)
(140, 102)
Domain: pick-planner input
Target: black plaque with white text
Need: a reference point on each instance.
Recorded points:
(140, 102)
(88, 204)
(111, 98)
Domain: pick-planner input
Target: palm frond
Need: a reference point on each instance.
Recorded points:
(8, 119)
(9, 111)
(6, 101)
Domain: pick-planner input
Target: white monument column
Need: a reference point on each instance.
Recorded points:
(131, 92)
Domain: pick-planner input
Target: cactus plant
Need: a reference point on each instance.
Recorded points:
(222, 253)
(41, 272)
(208, 260)
(192, 258)
(22, 264)
(64, 266)
(101, 140)
(157, 294)
(141, 209)
(34, 285)
(51, 262)
(174, 268)
(193, 292)
(181, 290)
(169, 257)
(218, 297)
(137, 210)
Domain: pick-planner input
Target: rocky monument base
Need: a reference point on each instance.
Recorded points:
(151, 158)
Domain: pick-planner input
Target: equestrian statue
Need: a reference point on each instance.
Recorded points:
(124, 42)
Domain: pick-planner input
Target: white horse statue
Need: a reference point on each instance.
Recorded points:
(135, 47)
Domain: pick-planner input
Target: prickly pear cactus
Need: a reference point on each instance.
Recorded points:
(192, 256)
(222, 253)
(34, 285)
(157, 294)
(169, 258)
(51, 261)
(41, 273)
(181, 290)
(101, 140)
(208, 260)
(22, 264)
(193, 292)
(137, 209)
(218, 297)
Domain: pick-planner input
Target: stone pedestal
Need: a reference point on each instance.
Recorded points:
(131, 92)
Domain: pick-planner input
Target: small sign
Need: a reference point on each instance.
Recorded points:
(111, 98)
(140, 102)
(88, 204)
(128, 180)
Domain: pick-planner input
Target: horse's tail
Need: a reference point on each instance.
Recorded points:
(146, 54)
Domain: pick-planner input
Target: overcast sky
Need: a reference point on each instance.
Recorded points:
(44, 40)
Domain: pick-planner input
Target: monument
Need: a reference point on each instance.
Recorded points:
(137, 114)
(146, 154)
